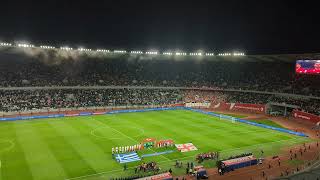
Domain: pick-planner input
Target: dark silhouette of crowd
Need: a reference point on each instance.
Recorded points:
(207, 156)
(146, 167)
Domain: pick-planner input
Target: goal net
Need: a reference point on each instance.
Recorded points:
(229, 118)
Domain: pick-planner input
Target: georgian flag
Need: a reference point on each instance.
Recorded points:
(186, 147)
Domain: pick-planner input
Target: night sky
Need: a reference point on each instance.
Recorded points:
(255, 27)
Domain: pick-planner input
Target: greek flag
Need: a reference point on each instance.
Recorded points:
(126, 158)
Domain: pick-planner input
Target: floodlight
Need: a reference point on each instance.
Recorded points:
(119, 51)
(5, 44)
(47, 47)
(25, 45)
(66, 48)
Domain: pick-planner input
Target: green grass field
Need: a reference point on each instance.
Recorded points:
(80, 147)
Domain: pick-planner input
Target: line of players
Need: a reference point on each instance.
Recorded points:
(125, 149)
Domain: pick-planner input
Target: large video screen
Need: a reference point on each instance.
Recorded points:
(308, 67)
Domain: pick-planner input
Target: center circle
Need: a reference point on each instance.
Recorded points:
(117, 132)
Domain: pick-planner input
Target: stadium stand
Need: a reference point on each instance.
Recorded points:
(272, 73)
(33, 99)
(243, 79)
(22, 100)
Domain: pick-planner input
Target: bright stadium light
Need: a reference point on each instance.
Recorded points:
(83, 49)
(5, 44)
(119, 51)
(103, 50)
(152, 52)
(66, 48)
(224, 54)
(181, 54)
(238, 54)
(25, 45)
(47, 47)
(209, 54)
(195, 54)
(136, 52)
(167, 53)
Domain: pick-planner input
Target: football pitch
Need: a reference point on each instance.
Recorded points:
(80, 147)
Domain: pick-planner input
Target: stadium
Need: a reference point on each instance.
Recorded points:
(80, 113)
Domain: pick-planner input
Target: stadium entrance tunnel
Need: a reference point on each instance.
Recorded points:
(117, 132)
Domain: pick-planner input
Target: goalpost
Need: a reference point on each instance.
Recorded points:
(230, 118)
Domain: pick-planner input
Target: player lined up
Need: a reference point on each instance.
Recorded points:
(124, 149)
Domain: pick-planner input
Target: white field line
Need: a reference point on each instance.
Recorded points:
(93, 133)
(12, 144)
(126, 136)
(228, 150)
(116, 130)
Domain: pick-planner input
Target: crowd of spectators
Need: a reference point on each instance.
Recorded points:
(307, 104)
(247, 74)
(23, 100)
(20, 70)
